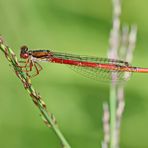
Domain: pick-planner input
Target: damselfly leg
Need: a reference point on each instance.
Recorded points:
(31, 68)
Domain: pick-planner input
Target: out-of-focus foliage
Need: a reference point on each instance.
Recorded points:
(73, 26)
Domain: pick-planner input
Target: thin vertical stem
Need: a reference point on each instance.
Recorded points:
(106, 127)
(126, 53)
(112, 115)
(113, 53)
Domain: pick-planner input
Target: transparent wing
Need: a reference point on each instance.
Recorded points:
(89, 59)
(96, 72)
(101, 74)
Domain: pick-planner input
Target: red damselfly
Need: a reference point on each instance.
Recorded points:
(93, 67)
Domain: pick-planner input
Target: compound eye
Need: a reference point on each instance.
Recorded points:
(24, 48)
(24, 52)
(24, 56)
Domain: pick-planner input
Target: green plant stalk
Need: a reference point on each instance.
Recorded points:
(48, 118)
(55, 129)
(113, 101)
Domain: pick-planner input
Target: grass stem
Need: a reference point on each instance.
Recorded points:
(49, 119)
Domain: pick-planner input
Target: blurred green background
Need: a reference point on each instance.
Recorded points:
(73, 26)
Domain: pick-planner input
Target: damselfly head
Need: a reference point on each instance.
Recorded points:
(24, 52)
